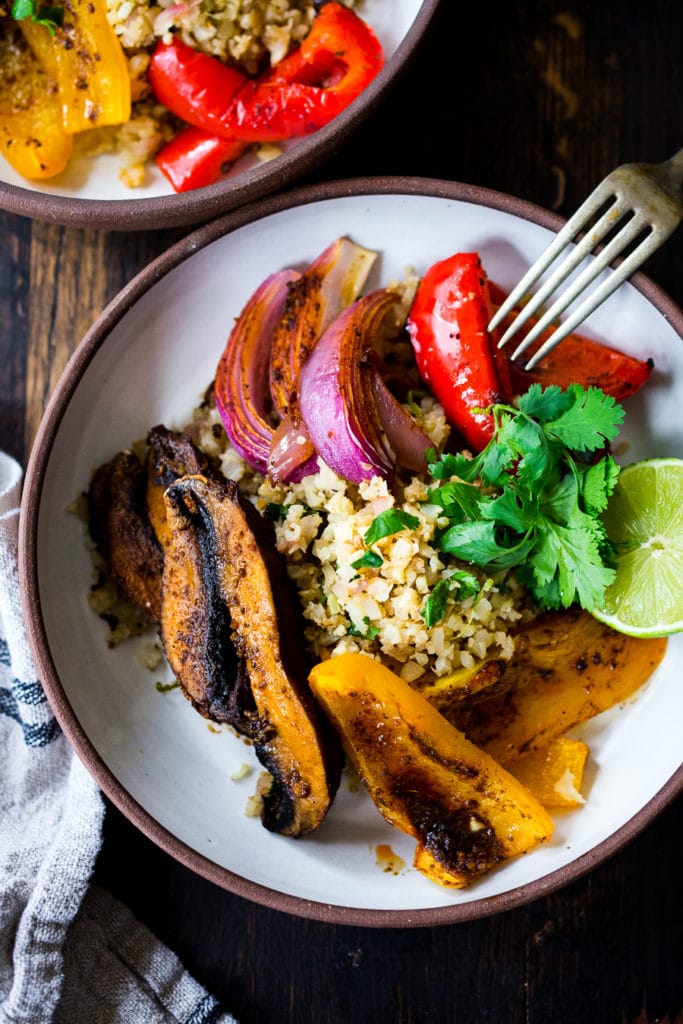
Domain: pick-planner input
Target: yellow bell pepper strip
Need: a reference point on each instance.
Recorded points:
(40, 40)
(31, 137)
(554, 774)
(89, 65)
(465, 811)
(567, 668)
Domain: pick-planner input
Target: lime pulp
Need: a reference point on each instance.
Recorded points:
(644, 520)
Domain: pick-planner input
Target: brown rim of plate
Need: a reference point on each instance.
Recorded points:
(200, 205)
(30, 594)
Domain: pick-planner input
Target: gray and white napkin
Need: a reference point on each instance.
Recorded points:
(69, 952)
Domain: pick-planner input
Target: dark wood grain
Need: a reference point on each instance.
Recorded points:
(541, 100)
(14, 290)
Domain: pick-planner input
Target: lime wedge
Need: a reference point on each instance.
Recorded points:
(644, 519)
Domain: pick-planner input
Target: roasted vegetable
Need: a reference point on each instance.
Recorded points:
(554, 773)
(121, 530)
(577, 360)
(85, 57)
(170, 455)
(567, 667)
(298, 95)
(466, 812)
(330, 284)
(32, 139)
(226, 587)
(448, 328)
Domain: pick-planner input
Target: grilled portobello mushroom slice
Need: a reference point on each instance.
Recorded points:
(122, 533)
(225, 586)
(170, 455)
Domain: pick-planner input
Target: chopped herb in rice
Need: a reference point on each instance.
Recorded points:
(369, 574)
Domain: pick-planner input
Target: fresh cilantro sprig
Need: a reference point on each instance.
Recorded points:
(531, 501)
(48, 15)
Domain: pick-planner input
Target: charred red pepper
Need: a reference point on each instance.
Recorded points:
(195, 158)
(448, 328)
(338, 59)
(576, 360)
(194, 86)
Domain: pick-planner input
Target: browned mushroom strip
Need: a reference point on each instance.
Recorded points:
(224, 579)
(170, 455)
(122, 532)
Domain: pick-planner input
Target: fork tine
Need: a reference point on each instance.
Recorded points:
(628, 233)
(598, 197)
(597, 297)
(606, 223)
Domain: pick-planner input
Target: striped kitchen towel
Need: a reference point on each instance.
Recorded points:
(69, 952)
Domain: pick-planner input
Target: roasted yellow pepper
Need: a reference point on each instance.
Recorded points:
(554, 774)
(567, 668)
(87, 61)
(32, 138)
(466, 812)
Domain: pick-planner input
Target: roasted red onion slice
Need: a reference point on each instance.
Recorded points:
(336, 392)
(331, 283)
(242, 392)
(407, 441)
(292, 453)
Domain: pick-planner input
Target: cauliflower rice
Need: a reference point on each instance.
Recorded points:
(243, 32)
(319, 527)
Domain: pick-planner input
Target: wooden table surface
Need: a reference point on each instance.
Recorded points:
(538, 99)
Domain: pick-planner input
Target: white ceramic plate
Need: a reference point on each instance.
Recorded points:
(90, 193)
(147, 360)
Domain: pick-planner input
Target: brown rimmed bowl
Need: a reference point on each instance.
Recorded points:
(90, 193)
(148, 359)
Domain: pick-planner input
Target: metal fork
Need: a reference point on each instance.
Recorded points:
(648, 198)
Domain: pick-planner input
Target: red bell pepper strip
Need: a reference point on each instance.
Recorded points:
(195, 158)
(453, 350)
(194, 86)
(337, 60)
(576, 360)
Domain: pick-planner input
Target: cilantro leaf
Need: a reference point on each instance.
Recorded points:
(477, 543)
(598, 482)
(46, 14)
(513, 508)
(461, 585)
(581, 576)
(22, 9)
(369, 560)
(591, 420)
(434, 608)
(450, 465)
(276, 512)
(468, 585)
(545, 404)
(458, 500)
(392, 520)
